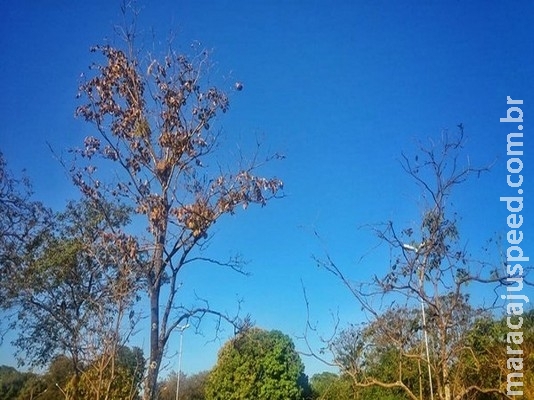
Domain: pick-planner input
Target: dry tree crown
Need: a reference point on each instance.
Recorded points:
(162, 148)
(155, 130)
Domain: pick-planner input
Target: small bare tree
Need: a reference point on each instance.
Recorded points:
(429, 270)
(153, 145)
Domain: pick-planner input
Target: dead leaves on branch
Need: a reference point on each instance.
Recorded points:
(225, 194)
(117, 92)
(196, 217)
(154, 122)
(156, 125)
(181, 108)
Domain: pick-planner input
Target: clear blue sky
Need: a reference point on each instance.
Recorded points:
(340, 88)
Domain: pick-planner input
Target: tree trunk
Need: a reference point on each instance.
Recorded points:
(420, 379)
(154, 275)
(155, 352)
(446, 383)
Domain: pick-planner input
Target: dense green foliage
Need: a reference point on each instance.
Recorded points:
(258, 364)
(11, 382)
(15, 385)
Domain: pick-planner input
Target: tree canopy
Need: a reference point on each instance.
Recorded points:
(258, 364)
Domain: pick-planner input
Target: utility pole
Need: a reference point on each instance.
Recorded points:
(181, 329)
(422, 265)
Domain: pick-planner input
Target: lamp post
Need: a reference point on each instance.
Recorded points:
(417, 251)
(61, 390)
(181, 329)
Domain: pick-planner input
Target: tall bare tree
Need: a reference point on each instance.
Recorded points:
(153, 149)
(428, 278)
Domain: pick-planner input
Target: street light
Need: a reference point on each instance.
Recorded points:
(181, 329)
(61, 390)
(417, 250)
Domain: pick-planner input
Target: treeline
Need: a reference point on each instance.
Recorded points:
(120, 380)
(259, 364)
(264, 365)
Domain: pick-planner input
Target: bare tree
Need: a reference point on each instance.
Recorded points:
(431, 270)
(153, 145)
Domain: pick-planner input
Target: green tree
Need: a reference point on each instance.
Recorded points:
(22, 224)
(72, 292)
(330, 386)
(11, 382)
(167, 387)
(34, 387)
(153, 149)
(59, 379)
(258, 364)
(192, 387)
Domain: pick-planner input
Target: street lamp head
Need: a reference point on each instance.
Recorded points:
(409, 247)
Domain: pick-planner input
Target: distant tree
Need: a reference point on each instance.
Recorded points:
(114, 378)
(153, 149)
(192, 387)
(11, 382)
(167, 386)
(34, 387)
(59, 379)
(258, 364)
(430, 271)
(330, 386)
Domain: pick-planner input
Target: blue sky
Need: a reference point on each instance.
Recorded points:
(340, 88)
